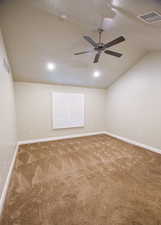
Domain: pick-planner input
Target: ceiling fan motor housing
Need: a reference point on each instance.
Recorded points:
(100, 46)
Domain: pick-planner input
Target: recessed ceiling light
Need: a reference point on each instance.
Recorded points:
(96, 74)
(116, 2)
(64, 16)
(50, 66)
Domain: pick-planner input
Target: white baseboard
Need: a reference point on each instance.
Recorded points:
(59, 138)
(4, 192)
(146, 147)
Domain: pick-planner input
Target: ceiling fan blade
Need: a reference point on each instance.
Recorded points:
(117, 54)
(80, 53)
(96, 59)
(114, 42)
(90, 40)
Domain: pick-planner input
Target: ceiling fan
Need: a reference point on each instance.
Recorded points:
(101, 47)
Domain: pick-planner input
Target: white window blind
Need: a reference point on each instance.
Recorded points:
(68, 110)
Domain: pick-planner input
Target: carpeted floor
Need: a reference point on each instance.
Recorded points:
(95, 180)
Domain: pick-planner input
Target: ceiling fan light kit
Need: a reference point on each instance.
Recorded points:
(101, 47)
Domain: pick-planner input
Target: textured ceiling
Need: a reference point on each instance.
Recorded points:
(35, 33)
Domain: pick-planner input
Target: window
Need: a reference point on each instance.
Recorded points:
(68, 110)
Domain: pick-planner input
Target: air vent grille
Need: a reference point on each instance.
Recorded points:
(151, 17)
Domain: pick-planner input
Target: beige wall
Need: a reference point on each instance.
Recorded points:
(7, 119)
(33, 104)
(130, 108)
(133, 103)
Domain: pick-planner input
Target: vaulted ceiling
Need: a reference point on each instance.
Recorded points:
(36, 32)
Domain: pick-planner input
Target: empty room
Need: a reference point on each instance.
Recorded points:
(80, 112)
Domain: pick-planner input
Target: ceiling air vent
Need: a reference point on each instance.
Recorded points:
(151, 17)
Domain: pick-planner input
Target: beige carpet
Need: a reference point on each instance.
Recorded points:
(95, 180)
